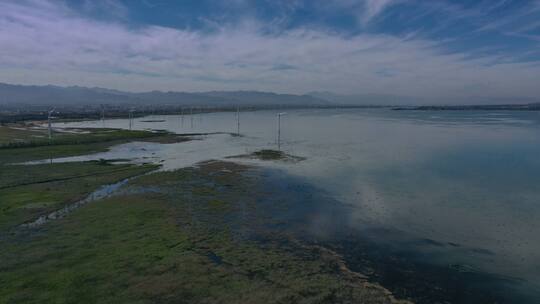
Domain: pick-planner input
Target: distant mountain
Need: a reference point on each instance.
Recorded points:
(366, 99)
(247, 97)
(399, 100)
(21, 95)
(76, 95)
(499, 107)
(41, 95)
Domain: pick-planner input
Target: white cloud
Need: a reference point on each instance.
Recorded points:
(365, 10)
(114, 8)
(375, 7)
(43, 43)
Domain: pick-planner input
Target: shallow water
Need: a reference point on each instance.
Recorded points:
(456, 188)
(101, 193)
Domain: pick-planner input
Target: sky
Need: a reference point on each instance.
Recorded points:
(436, 49)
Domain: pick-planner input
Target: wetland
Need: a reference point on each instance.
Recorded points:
(384, 207)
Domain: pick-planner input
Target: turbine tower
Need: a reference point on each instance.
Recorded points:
(182, 115)
(103, 113)
(131, 118)
(238, 120)
(191, 116)
(279, 129)
(49, 123)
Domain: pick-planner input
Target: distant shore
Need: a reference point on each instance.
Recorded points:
(523, 107)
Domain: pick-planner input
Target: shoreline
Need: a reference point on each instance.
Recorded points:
(213, 222)
(410, 286)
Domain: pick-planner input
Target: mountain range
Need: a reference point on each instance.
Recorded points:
(20, 95)
(76, 95)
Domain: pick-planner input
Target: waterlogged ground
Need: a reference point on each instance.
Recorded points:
(205, 234)
(106, 231)
(437, 207)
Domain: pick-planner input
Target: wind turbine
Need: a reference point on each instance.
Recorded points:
(103, 114)
(131, 118)
(191, 116)
(182, 115)
(49, 118)
(238, 120)
(279, 129)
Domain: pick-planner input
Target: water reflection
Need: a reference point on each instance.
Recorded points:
(467, 180)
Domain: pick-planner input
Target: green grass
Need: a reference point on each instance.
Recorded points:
(269, 154)
(169, 244)
(11, 135)
(63, 138)
(186, 236)
(18, 155)
(27, 192)
(28, 148)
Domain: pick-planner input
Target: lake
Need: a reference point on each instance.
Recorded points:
(454, 193)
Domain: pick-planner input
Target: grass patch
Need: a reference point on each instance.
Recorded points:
(269, 154)
(27, 147)
(27, 192)
(16, 135)
(64, 138)
(18, 155)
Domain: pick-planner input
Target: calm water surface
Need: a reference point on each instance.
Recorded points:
(466, 183)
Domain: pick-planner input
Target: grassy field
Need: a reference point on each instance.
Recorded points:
(19, 136)
(16, 135)
(174, 238)
(23, 145)
(27, 192)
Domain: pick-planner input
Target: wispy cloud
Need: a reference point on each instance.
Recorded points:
(45, 42)
(364, 10)
(375, 7)
(112, 8)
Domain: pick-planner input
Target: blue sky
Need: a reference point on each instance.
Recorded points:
(442, 50)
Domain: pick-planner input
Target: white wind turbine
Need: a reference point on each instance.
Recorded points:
(238, 120)
(49, 123)
(131, 118)
(279, 129)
